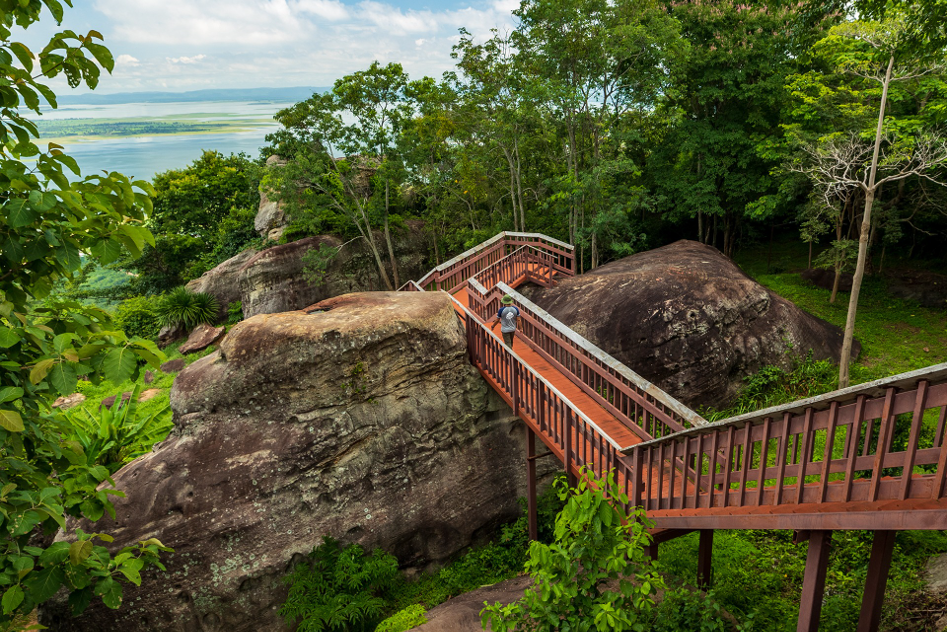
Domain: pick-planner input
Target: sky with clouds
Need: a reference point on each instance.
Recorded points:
(178, 45)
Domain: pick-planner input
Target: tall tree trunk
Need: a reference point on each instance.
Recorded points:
(700, 226)
(836, 282)
(846, 355)
(594, 252)
(809, 265)
(391, 254)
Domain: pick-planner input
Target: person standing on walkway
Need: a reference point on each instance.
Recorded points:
(509, 318)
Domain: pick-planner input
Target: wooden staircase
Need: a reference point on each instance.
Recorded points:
(869, 457)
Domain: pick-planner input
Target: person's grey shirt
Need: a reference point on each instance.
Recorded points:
(508, 319)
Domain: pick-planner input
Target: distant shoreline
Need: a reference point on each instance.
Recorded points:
(292, 95)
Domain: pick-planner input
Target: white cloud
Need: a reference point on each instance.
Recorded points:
(186, 60)
(326, 9)
(247, 43)
(126, 60)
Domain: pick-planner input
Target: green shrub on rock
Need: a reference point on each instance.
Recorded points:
(138, 316)
(403, 620)
(340, 590)
(180, 307)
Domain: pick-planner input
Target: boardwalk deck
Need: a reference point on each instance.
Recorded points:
(821, 464)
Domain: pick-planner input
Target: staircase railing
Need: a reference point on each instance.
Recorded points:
(561, 425)
(644, 408)
(873, 442)
(454, 272)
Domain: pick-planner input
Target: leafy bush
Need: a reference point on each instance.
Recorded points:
(138, 316)
(118, 434)
(234, 312)
(340, 589)
(596, 542)
(404, 620)
(684, 610)
(180, 307)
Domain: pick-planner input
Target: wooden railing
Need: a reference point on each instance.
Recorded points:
(882, 441)
(644, 408)
(560, 424)
(453, 273)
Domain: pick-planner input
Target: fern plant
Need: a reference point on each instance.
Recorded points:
(119, 434)
(180, 307)
(340, 590)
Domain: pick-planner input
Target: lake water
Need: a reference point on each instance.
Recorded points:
(144, 156)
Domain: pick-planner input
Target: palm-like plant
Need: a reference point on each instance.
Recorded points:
(118, 434)
(180, 307)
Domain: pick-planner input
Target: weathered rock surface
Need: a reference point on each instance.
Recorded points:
(365, 422)
(169, 334)
(223, 282)
(688, 319)
(173, 366)
(270, 220)
(935, 574)
(144, 396)
(203, 336)
(927, 288)
(462, 613)
(69, 401)
(825, 279)
(272, 281)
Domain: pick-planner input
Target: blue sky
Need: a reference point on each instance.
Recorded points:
(178, 45)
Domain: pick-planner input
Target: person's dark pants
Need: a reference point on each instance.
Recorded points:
(508, 338)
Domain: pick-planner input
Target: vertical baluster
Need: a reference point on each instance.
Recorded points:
(673, 466)
(941, 422)
(885, 431)
(714, 447)
(829, 445)
(920, 401)
(764, 449)
(636, 477)
(747, 460)
(698, 469)
(804, 454)
(731, 437)
(781, 457)
(855, 430)
(660, 489)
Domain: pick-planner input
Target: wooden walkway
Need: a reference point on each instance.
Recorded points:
(870, 457)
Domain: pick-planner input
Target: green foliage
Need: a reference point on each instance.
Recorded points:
(47, 223)
(234, 312)
(684, 610)
(773, 385)
(138, 316)
(181, 307)
(203, 214)
(336, 589)
(117, 435)
(316, 263)
(403, 620)
(596, 542)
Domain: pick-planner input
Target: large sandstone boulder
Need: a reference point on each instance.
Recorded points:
(365, 422)
(688, 319)
(223, 282)
(273, 281)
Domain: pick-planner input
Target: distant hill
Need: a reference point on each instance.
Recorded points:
(237, 94)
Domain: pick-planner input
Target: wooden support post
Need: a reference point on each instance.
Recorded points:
(531, 484)
(704, 558)
(878, 566)
(652, 551)
(813, 583)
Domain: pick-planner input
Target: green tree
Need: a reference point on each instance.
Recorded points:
(48, 223)
(599, 62)
(597, 542)
(882, 52)
(203, 214)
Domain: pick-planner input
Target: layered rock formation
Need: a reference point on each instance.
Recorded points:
(688, 319)
(272, 280)
(270, 219)
(365, 422)
(223, 281)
